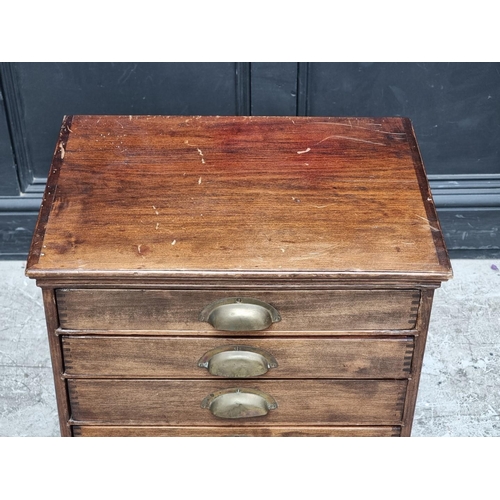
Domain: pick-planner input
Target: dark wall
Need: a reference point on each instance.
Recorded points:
(454, 108)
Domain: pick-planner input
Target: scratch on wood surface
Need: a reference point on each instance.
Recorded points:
(350, 125)
(130, 117)
(305, 151)
(201, 154)
(314, 255)
(350, 139)
(61, 147)
(199, 181)
(173, 242)
(426, 220)
(423, 218)
(157, 225)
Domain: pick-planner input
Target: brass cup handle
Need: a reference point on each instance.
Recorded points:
(237, 361)
(237, 314)
(239, 403)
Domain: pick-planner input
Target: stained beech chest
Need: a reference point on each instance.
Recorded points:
(222, 276)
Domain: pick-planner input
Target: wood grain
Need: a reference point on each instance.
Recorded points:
(209, 196)
(148, 431)
(172, 402)
(418, 357)
(92, 356)
(179, 310)
(56, 356)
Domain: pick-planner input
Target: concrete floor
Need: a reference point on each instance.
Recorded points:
(459, 390)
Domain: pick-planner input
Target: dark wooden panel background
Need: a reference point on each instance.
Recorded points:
(454, 107)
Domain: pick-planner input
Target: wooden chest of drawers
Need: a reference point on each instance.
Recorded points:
(227, 276)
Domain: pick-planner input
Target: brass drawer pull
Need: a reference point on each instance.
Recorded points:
(237, 361)
(239, 314)
(239, 403)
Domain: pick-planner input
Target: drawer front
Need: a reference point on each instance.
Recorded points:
(149, 431)
(179, 310)
(160, 357)
(179, 403)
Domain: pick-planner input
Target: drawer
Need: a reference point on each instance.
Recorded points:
(179, 403)
(161, 357)
(145, 431)
(181, 310)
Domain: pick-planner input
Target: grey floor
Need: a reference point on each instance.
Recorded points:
(460, 385)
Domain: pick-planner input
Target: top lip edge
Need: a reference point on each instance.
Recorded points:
(239, 274)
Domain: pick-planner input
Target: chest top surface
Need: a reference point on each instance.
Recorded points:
(281, 197)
